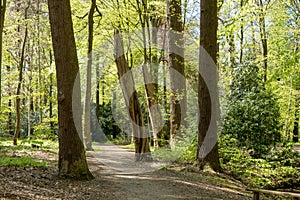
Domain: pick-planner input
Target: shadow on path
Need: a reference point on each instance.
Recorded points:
(143, 180)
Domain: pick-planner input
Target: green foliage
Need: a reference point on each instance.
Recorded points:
(107, 121)
(252, 116)
(278, 170)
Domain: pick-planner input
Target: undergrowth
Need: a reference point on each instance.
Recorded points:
(278, 169)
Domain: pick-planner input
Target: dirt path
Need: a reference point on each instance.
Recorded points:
(142, 181)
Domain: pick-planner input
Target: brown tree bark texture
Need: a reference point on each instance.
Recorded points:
(141, 139)
(72, 161)
(208, 40)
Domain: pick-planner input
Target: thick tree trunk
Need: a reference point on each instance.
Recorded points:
(178, 99)
(2, 16)
(72, 160)
(140, 137)
(208, 40)
(87, 108)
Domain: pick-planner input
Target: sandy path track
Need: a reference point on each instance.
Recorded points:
(139, 181)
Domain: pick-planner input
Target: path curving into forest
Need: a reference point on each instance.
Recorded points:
(130, 180)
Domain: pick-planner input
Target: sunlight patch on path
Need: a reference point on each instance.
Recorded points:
(122, 161)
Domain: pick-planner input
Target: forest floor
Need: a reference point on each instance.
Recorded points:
(118, 177)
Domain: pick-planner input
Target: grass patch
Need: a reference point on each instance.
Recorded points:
(129, 146)
(24, 161)
(132, 147)
(29, 153)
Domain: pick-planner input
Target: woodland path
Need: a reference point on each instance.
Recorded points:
(143, 180)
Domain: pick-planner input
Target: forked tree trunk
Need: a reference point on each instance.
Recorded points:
(140, 137)
(208, 40)
(72, 160)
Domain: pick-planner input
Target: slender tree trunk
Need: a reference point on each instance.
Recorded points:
(208, 40)
(231, 49)
(51, 95)
(241, 33)
(50, 102)
(2, 16)
(87, 108)
(30, 99)
(150, 71)
(178, 99)
(72, 160)
(263, 37)
(98, 91)
(297, 113)
(140, 137)
(18, 93)
(9, 120)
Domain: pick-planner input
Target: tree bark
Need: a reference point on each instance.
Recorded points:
(263, 37)
(242, 33)
(18, 93)
(297, 113)
(9, 120)
(2, 17)
(72, 160)
(178, 101)
(208, 40)
(140, 137)
(87, 108)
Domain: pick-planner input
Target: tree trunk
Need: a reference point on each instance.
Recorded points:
(178, 99)
(72, 160)
(18, 93)
(140, 137)
(242, 32)
(263, 37)
(87, 108)
(208, 41)
(297, 113)
(2, 17)
(9, 120)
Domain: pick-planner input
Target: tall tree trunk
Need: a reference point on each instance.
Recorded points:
(208, 40)
(72, 160)
(97, 91)
(241, 32)
(50, 95)
(87, 108)
(231, 49)
(2, 16)
(9, 120)
(263, 37)
(178, 99)
(140, 137)
(297, 113)
(18, 93)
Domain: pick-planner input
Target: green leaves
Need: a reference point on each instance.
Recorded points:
(252, 112)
